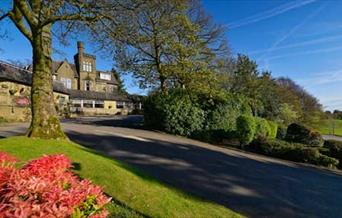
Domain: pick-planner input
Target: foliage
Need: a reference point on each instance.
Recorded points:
(245, 128)
(301, 134)
(286, 114)
(165, 45)
(263, 128)
(122, 182)
(222, 116)
(46, 187)
(291, 151)
(281, 131)
(334, 149)
(176, 113)
(273, 129)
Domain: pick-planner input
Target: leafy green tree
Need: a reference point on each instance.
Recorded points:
(165, 44)
(286, 114)
(245, 81)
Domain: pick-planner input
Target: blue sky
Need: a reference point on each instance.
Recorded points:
(299, 39)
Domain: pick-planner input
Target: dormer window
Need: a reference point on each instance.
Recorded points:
(87, 66)
(105, 76)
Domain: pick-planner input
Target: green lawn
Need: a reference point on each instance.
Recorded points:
(134, 194)
(330, 127)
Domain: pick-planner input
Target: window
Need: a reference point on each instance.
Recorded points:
(87, 66)
(87, 85)
(76, 103)
(99, 104)
(66, 82)
(120, 104)
(105, 76)
(87, 103)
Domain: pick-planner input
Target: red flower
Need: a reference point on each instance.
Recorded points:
(47, 188)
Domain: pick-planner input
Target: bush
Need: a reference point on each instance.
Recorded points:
(222, 117)
(301, 134)
(262, 129)
(291, 151)
(281, 132)
(245, 129)
(47, 188)
(273, 129)
(173, 112)
(334, 150)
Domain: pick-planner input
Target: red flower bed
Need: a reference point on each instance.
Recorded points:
(47, 188)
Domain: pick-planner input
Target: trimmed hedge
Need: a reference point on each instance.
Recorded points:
(281, 132)
(173, 112)
(263, 128)
(222, 117)
(291, 151)
(301, 134)
(273, 129)
(334, 149)
(245, 129)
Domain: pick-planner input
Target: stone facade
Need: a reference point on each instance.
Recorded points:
(15, 101)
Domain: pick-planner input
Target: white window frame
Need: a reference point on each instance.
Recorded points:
(66, 82)
(87, 66)
(105, 76)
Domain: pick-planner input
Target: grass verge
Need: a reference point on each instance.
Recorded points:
(134, 194)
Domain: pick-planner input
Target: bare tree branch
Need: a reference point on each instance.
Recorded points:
(17, 18)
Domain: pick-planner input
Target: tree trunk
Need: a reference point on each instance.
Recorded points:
(45, 122)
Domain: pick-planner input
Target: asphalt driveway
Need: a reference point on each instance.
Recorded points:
(253, 185)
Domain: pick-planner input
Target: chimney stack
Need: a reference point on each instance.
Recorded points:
(80, 47)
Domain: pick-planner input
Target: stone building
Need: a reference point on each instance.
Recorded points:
(79, 88)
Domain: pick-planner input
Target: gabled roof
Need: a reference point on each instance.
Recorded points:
(57, 64)
(12, 73)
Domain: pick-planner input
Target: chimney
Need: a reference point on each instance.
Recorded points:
(80, 47)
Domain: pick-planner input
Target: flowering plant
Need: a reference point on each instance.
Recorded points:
(46, 187)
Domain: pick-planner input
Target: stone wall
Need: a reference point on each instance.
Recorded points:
(15, 101)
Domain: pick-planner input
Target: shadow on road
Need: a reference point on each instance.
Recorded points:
(132, 121)
(252, 187)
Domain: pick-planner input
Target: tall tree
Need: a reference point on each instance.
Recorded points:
(165, 44)
(35, 19)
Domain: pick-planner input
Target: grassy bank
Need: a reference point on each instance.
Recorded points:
(331, 127)
(134, 194)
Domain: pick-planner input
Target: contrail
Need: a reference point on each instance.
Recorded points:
(289, 33)
(270, 13)
(299, 44)
(325, 50)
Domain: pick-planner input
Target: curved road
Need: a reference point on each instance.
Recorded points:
(253, 185)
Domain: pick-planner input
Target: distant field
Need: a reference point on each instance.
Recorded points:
(331, 127)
